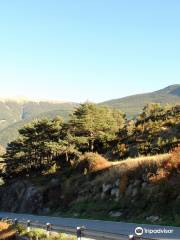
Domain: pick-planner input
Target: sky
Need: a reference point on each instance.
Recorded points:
(78, 50)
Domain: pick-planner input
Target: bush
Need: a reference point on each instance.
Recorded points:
(92, 162)
(7, 231)
(37, 233)
(174, 162)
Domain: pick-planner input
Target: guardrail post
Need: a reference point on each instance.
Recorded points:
(15, 221)
(48, 229)
(28, 225)
(79, 233)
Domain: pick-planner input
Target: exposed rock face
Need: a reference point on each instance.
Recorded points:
(115, 192)
(120, 197)
(106, 188)
(23, 196)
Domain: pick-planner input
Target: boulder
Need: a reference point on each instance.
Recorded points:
(106, 187)
(129, 190)
(115, 192)
(117, 182)
(136, 183)
(54, 181)
(134, 192)
(115, 214)
(75, 214)
(144, 185)
(153, 218)
(102, 195)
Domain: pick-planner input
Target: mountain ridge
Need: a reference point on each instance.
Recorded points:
(133, 104)
(14, 115)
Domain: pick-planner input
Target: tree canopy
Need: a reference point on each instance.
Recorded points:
(45, 143)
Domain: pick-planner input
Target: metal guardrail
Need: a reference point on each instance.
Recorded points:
(89, 233)
(86, 233)
(95, 234)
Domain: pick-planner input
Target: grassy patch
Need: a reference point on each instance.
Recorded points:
(38, 233)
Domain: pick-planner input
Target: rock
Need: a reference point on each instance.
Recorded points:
(117, 183)
(106, 188)
(136, 183)
(151, 190)
(178, 197)
(129, 190)
(54, 181)
(115, 192)
(115, 214)
(75, 214)
(153, 218)
(31, 190)
(144, 185)
(102, 195)
(134, 192)
(145, 177)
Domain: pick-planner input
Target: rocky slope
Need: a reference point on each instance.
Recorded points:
(145, 189)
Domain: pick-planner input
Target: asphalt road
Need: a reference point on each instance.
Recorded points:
(120, 228)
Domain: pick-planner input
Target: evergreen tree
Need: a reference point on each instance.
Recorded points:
(92, 124)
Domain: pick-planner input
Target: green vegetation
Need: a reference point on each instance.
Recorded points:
(7, 231)
(83, 166)
(41, 234)
(156, 130)
(15, 115)
(51, 145)
(155, 180)
(45, 143)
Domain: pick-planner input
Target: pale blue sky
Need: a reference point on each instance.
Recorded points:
(88, 49)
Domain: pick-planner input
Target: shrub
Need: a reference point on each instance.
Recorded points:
(7, 231)
(135, 168)
(92, 162)
(174, 162)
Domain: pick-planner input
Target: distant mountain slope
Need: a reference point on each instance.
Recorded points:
(11, 132)
(132, 105)
(12, 111)
(14, 115)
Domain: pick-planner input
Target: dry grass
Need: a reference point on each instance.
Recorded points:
(175, 159)
(134, 165)
(93, 162)
(3, 226)
(6, 231)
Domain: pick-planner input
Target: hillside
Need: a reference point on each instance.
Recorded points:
(15, 114)
(143, 190)
(13, 111)
(132, 105)
(97, 165)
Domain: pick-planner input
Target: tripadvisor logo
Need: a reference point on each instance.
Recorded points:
(139, 231)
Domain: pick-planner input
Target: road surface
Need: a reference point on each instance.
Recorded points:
(119, 228)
